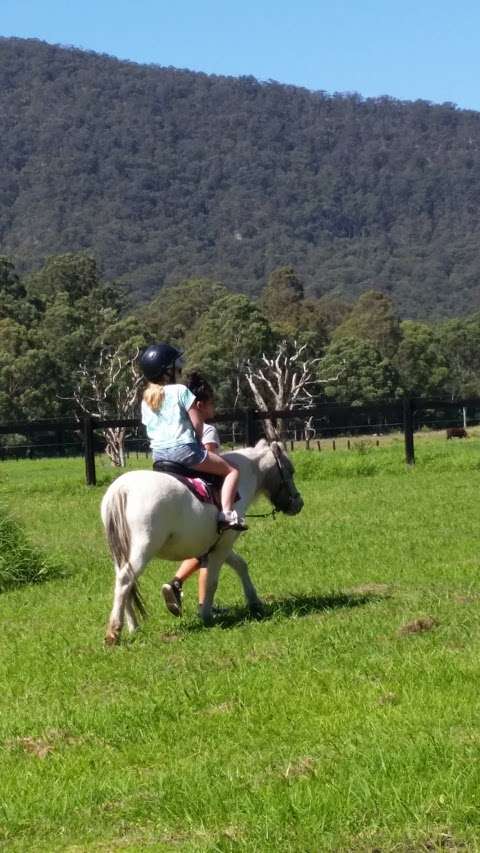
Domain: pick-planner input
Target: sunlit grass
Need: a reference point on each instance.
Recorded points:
(324, 726)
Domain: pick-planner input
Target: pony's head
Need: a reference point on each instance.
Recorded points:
(278, 482)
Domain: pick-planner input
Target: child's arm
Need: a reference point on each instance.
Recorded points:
(196, 420)
(210, 438)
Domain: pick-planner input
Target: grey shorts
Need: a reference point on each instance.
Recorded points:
(185, 454)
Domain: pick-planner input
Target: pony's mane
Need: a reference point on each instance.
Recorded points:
(251, 453)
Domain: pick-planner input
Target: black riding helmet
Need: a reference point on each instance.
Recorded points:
(156, 359)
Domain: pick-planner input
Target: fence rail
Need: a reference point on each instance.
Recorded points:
(406, 413)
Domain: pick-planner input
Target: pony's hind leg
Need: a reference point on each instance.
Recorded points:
(126, 597)
(124, 580)
(130, 615)
(134, 607)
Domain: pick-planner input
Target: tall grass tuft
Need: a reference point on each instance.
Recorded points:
(20, 563)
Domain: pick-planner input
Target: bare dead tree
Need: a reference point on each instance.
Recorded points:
(284, 382)
(110, 390)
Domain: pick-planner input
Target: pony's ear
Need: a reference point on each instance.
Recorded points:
(262, 444)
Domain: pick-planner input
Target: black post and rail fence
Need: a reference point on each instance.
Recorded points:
(406, 414)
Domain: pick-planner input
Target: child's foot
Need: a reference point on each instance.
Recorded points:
(231, 520)
(172, 593)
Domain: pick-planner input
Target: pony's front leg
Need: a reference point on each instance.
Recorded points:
(240, 566)
(216, 558)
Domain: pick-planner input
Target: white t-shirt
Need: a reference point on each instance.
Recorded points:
(210, 435)
(171, 425)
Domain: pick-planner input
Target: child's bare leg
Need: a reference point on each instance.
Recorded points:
(187, 568)
(214, 464)
(229, 490)
(202, 585)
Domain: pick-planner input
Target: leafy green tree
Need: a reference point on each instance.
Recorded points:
(77, 309)
(10, 283)
(69, 317)
(420, 360)
(233, 331)
(13, 296)
(372, 319)
(332, 311)
(27, 376)
(172, 314)
(74, 274)
(281, 300)
(290, 314)
(365, 375)
(460, 346)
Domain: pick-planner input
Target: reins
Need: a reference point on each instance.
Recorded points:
(272, 513)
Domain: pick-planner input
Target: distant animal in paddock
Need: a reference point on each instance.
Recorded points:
(456, 432)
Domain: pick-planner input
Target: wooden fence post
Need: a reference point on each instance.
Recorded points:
(60, 441)
(89, 451)
(408, 431)
(250, 429)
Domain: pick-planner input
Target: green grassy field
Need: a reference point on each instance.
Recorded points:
(347, 719)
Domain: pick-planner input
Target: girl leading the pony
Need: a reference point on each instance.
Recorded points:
(174, 427)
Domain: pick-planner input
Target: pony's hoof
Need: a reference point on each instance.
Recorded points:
(111, 639)
(207, 618)
(257, 609)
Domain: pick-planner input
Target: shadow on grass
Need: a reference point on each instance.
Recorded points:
(291, 606)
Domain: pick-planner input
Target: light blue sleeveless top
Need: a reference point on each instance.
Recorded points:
(170, 426)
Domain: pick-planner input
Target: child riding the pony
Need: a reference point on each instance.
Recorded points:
(204, 404)
(175, 426)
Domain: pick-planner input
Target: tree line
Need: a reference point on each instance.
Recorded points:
(69, 341)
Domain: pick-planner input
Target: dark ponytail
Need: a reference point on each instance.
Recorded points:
(200, 387)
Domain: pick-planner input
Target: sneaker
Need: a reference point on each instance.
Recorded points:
(231, 520)
(172, 593)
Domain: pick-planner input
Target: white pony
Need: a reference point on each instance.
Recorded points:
(151, 514)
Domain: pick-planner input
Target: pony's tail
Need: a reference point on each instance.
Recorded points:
(119, 540)
(117, 529)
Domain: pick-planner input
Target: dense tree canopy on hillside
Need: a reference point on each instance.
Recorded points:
(165, 175)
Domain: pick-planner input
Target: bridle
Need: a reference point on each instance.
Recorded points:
(285, 484)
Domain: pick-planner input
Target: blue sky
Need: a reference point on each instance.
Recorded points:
(422, 49)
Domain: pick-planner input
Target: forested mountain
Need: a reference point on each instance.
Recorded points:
(164, 174)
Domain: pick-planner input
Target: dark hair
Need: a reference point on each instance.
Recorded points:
(199, 386)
